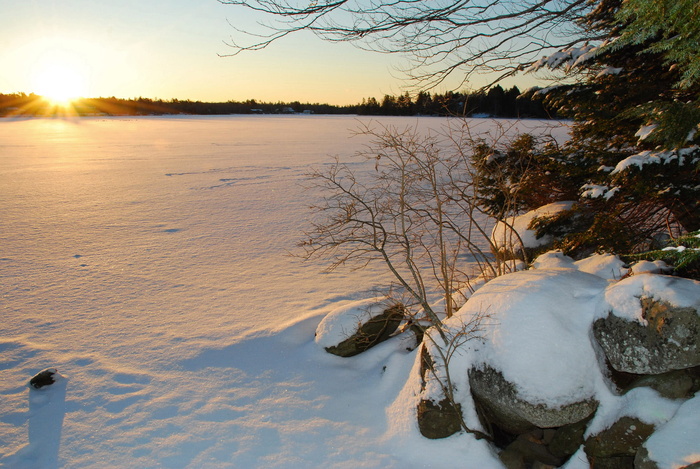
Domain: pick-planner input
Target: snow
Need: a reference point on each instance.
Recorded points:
(345, 321)
(675, 248)
(644, 131)
(567, 58)
(606, 266)
(515, 230)
(651, 157)
(47, 408)
(609, 71)
(537, 325)
(675, 444)
(679, 292)
(653, 267)
(147, 260)
(593, 191)
(642, 403)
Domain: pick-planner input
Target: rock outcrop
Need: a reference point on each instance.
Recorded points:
(645, 330)
(667, 340)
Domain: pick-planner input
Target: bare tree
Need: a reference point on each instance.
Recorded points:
(441, 37)
(417, 211)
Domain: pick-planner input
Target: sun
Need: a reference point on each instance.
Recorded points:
(59, 79)
(60, 84)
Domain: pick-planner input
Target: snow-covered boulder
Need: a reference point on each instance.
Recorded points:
(437, 415)
(607, 266)
(358, 326)
(649, 267)
(675, 444)
(535, 363)
(513, 238)
(622, 439)
(520, 363)
(501, 405)
(650, 324)
(623, 423)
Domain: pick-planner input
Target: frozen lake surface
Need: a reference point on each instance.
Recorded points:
(147, 259)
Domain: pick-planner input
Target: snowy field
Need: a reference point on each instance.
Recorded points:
(147, 260)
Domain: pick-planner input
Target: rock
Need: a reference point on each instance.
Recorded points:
(418, 333)
(360, 330)
(435, 420)
(643, 461)
(613, 462)
(512, 459)
(622, 439)
(44, 378)
(439, 420)
(668, 341)
(676, 384)
(568, 439)
(529, 449)
(499, 404)
(541, 465)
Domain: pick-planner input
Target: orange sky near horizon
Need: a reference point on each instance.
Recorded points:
(171, 50)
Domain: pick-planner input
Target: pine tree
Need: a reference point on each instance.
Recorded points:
(633, 154)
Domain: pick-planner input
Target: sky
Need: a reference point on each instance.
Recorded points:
(173, 50)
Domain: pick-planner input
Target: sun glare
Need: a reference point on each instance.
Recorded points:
(59, 80)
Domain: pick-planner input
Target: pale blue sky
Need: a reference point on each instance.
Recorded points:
(168, 49)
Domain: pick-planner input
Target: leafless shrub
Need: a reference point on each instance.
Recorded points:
(417, 210)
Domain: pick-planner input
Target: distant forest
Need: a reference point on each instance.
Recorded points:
(496, 102)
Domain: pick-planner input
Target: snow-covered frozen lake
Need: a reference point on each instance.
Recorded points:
(147, 259)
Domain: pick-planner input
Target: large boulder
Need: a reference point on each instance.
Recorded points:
(500, 404)
(535, 364)
(652, 324)
(354, 328)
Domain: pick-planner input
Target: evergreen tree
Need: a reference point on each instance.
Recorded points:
(496, 97)
(633, 155)
(424, 103)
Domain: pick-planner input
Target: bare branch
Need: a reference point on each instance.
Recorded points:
(440, 38)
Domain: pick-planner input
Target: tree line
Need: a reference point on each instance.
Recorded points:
(496, 102)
